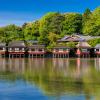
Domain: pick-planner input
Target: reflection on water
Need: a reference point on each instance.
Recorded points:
(50, 79)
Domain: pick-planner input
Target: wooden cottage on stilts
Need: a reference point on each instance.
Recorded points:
(83, 49)
(16, 49)
(36, 50)
(60, 52)
(2, 49)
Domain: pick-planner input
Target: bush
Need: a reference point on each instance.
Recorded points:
(94, 42)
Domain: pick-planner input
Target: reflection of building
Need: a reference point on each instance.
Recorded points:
(97, 63)
(36, 64)
(60, 66)
(17, 65)
(83, 67)
(2, 64)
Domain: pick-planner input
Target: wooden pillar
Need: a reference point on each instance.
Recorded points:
(54, 55)
(62, 55)
(59, 55)
(28, 55)
(43, 55)
(9, 55)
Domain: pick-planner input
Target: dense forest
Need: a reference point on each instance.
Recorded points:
(54, 25)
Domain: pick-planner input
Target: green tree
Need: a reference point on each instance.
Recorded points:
(51, 22)
(94, 42)
(10, 33)
(71, 44)
(92, 25)
(86, 14)
(31, 30)
(72, 23)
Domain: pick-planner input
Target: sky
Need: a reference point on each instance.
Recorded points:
(20, 11)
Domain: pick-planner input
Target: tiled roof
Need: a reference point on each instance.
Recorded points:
(17, 44)
(83, 45)
(97, 46)
(77, 38)
(71, 38)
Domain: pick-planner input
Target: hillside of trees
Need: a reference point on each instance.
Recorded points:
(54, 25)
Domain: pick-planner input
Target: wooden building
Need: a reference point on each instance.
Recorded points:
(2, 49)
(97, 50)
(83, 49)
(16, 49)
(60, 51)
(36, 49)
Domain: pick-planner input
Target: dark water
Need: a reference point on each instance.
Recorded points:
(50, 79)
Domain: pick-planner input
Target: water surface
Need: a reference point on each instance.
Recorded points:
(49, 79)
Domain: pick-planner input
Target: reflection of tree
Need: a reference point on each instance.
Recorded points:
(55, 76)
(97, 63)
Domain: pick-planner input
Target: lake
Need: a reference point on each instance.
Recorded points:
(50, 79)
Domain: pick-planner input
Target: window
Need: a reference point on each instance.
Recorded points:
(32, 49)
(42, 50)
(1, 48)
(61, 50)
(4, 49)
(55, 50)
(10, 49)
(67, 50)
(16, 49)
(39, 49)
(84, 50)
(23, 49)
(96, 49)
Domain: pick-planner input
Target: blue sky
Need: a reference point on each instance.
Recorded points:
(21, 11)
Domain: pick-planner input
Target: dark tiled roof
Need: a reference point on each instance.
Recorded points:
(97, 46)
(83, 45)
(71, 38)
(37, 46)
(77, 38)
(17, 44)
